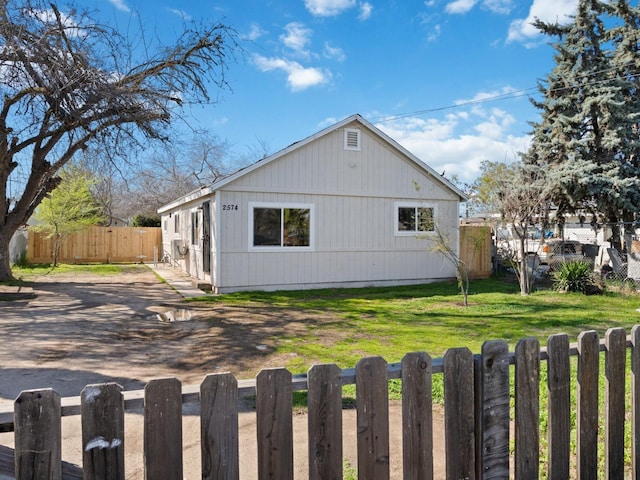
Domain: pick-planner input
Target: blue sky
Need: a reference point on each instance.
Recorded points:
(447, 79)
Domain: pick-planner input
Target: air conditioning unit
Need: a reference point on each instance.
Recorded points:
(179, 249)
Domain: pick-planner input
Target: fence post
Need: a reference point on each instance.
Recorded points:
(495, 409)
(325, 422)
(102, 409)
(163, 429)
(635, 401)
(459, 413)
(274, 410)
(417, 417)
(38, 435)
(372, 404)
(559, 419)
(587, 415)
(219, 427)
(615, 364)
(527, 392)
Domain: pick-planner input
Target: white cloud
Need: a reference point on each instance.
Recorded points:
(498, 6)
(334, 53)
(328, 8)
(435, 32)
(327, 122)
(437, 144)
(255, 32)
(120, 5)
(297, 37)
(464, 6)
(181, 13)
(49, 16)
(365, 11)
(545, 10)
(460, 6)
(219, 122)
(298, 77)
(458, 142)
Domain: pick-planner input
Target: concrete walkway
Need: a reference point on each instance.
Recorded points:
(178, 280)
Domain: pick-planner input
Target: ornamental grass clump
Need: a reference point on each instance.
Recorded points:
(575, 276)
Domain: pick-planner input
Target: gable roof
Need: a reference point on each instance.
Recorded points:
(294, 146)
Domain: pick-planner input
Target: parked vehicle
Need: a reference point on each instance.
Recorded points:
(555, 252)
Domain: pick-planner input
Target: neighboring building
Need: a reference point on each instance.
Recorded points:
(342, 208)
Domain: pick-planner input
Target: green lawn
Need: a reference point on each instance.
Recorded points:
(393, 321)
(28, 272)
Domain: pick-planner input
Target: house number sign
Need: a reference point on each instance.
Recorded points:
(230, 206)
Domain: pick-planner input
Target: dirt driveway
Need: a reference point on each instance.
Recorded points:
(70, 331)
(99, 327)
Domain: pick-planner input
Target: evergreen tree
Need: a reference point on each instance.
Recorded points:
(587, 135)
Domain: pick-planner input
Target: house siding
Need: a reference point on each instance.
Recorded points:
(354, 196)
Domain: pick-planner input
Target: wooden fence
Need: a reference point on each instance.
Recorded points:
(477, 417)
(98, 245)
(475, 250)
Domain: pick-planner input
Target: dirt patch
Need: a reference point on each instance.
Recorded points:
(133, 323)
(68, 331)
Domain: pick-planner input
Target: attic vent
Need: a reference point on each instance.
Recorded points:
(351, 139)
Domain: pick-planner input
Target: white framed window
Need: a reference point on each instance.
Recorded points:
(414, 218)
(352, 139)
(195, 228)
(278, 226)
(176, 223)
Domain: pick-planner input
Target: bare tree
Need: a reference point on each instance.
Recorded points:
(172, 172)
(521, 194)
(69, 82)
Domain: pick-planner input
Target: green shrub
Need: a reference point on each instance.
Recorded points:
(574, 277)
(145, 220)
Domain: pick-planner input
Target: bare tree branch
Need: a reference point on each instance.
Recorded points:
(67, 82)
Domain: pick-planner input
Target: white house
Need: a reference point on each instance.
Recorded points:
(346, 207)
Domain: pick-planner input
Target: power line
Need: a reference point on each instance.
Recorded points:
(508, 95)
(515, 94)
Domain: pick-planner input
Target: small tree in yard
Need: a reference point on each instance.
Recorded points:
(70, 208)
(521, 195)
(440, 243)
(68, 83)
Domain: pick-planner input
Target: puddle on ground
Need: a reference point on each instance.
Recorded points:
(172, 315)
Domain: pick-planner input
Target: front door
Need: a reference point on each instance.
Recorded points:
(206, 238)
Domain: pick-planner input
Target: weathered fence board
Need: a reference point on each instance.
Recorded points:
(527, 411)
(476, 412)
(103, 432)
(495, 411)
(559, 418)
(38, 456)
(587, 415)
(324, 406)
(163, 429)
(219, 427)
(274, 399)
(417, 417)
(372, 405)
(459, 413)
(615, 361)
(98, 245)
